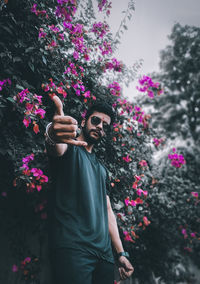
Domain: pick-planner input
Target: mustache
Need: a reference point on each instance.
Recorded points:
(98, 132)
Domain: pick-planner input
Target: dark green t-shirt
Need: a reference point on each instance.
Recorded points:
(77, 204)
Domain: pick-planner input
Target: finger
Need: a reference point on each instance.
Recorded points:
(125, 273)
(58, 104)
(122, 274)
(64, 119)
(129, 273)
(61, 136)
(74, 142)
(58, 127)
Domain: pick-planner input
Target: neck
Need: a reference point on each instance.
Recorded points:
(89, 147)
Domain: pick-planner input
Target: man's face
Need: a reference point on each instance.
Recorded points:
(96, 127)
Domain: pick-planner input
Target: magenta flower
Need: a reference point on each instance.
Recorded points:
(115, 89)
(42, 34)
(106, 48)
(87, 94)
(76, 55)
(143, 163)
(183, 231)
(157, 142)
(100, 29)
(147, 85)
(127, 159)
(83, 114)
(27, 260)
(4, 82)
(40, 112)
(114, 64)
(14, 268)
(54, 29)
(195, 194)
(26, 121)
(176, 160)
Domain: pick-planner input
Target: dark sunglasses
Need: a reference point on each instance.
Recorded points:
(95, 120)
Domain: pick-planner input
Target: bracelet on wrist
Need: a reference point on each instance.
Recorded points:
(123, 253)
(48, 139)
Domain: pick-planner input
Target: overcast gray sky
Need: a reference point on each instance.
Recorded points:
(147, 31)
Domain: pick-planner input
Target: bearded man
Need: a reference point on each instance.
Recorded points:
(82, 224)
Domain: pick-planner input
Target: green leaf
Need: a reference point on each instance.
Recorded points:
(29, 49)
(19, 87)
(11, 99)
(44, 60)
(31, 66)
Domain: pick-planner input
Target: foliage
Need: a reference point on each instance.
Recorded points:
(175, 200)
(64, 52)
(59, 47)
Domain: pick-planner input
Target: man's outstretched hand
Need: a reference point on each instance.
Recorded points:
(125, 268)
(64, 128)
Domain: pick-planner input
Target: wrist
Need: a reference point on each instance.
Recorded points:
(48, 135)
(123, 253)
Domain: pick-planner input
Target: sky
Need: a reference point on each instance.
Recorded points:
(148, 29)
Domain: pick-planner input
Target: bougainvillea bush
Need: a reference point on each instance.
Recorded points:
(59, 47)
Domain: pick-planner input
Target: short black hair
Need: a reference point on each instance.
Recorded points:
(101, 107)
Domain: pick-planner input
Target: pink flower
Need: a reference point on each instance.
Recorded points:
(137, 177)
(132, 203)
(195, 194)
(27, 259)
(87, 94)
(84, 113)
(139, 191)
(127, 159)
(127, 236)
(126, 201)
(39, 187)
(76, 55)
(36, 172)
(14, 268)
(42, 34)
(143, 163)
(176, 160)
(183, 231)
(157, 142)
(26, 122)
(146, 221)
(40, 112)
(44, 178)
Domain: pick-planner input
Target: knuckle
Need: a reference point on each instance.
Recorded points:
(73, 128)
(55, 127)
(73, 135)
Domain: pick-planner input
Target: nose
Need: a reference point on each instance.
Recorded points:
(100, 125)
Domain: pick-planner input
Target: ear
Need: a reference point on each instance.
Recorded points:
(83, 123)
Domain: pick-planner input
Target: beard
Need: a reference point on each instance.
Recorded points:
(88, 138)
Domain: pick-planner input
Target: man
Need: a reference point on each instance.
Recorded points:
(82, 223)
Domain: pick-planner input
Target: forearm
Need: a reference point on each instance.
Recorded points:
(57, 150)
(114, 232)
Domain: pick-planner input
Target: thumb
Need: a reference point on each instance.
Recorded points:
(58, 104)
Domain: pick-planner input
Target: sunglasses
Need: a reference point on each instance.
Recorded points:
(95, 120)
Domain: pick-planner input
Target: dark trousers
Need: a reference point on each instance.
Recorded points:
(71, 266)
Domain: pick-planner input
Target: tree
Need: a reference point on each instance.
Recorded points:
(58, 47)
(175, 205)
